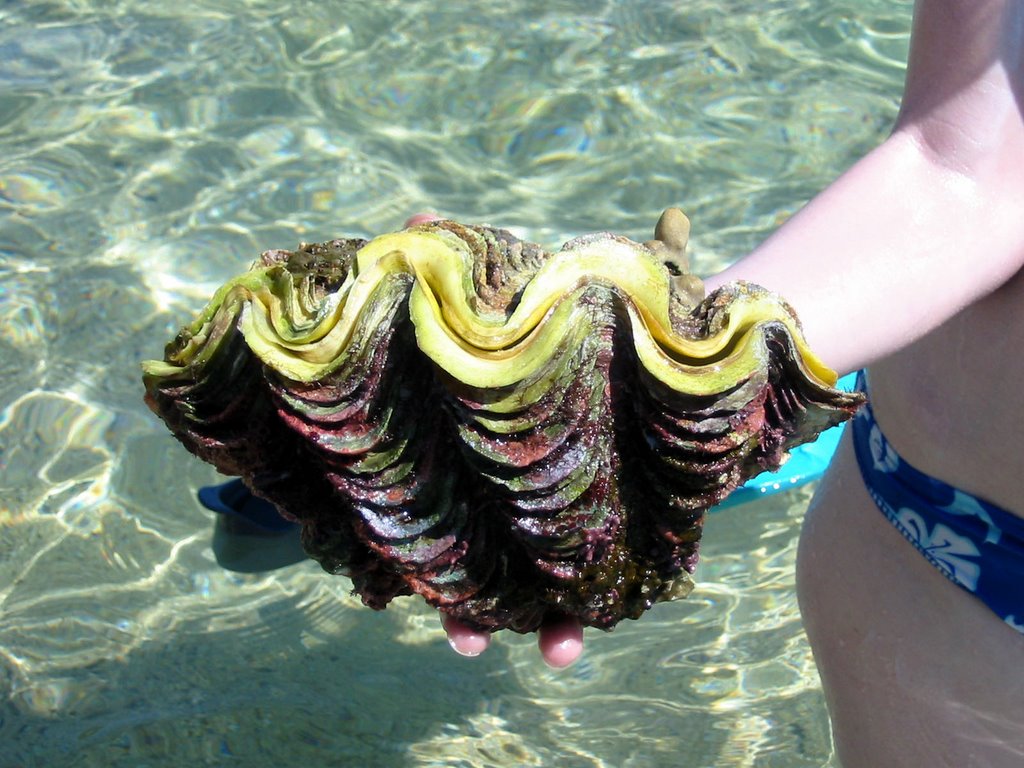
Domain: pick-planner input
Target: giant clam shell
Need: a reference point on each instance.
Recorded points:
(510, 433)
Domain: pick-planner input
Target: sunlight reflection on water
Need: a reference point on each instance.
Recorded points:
(150, 150)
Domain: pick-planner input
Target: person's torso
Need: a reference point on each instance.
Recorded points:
(952, 404)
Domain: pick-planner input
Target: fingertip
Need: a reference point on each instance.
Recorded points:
(561, 642)
(470, 645)
(421, 218)
(564, 655)
(463, 639)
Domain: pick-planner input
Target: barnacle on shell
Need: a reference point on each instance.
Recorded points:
(510, 433)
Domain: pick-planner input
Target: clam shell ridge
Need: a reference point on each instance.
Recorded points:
(510, 433)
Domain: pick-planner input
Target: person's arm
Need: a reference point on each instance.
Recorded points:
(931, 220)
(925, 224)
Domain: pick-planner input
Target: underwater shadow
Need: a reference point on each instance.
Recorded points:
(327, 686)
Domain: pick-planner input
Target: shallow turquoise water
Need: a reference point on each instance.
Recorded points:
(150, 150)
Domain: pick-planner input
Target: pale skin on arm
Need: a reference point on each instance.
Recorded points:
(920, 228)
(892, 247)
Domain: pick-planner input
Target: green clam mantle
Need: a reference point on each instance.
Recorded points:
(508, 432)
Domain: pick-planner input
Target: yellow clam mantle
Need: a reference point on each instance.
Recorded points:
(491, 352)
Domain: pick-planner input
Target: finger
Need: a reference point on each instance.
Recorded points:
(560, 641)
(421, 218)
(463, 639)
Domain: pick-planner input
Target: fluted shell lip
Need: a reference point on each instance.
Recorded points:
(508, 432)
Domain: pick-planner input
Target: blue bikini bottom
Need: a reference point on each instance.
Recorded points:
(976, 545)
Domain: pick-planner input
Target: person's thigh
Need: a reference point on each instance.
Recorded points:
(916, 671)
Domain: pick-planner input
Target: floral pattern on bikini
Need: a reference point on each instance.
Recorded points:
(965, 504)
(948, 551)
(884, 457)
(976, 544)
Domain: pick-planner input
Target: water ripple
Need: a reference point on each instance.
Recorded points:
(151, 150)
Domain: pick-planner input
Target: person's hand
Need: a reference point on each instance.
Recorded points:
(421, 218)
(560, 639)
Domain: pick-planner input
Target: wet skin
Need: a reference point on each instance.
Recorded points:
(911, 264)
